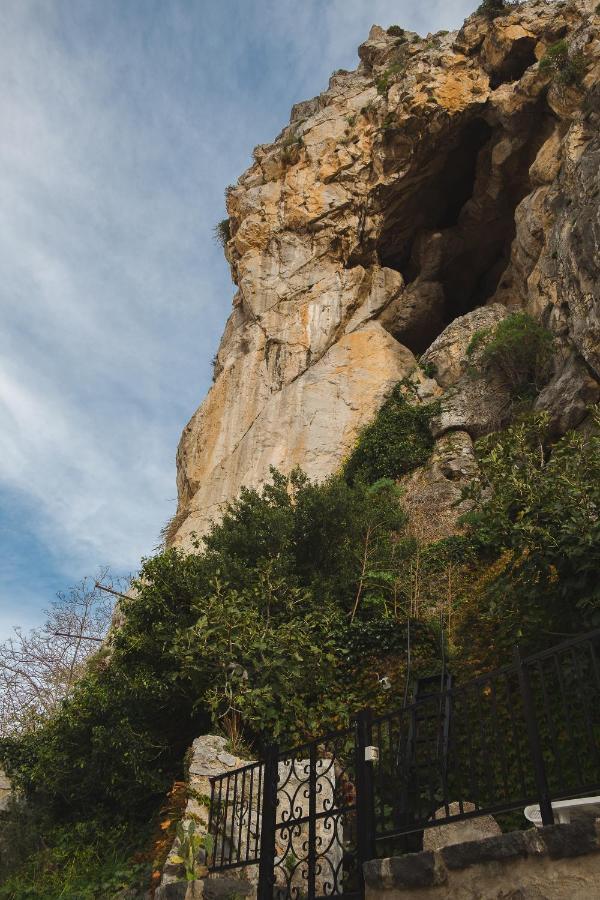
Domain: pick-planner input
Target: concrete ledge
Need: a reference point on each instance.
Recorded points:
(539, 857)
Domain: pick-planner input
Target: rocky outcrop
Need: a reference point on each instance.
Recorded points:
(445, 182)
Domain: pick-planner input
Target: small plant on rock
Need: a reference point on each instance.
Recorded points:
(396, 31)
(189, 845)
(222, 232)
(567, 68)
(290, 149)
(494, 8)
(519, 349)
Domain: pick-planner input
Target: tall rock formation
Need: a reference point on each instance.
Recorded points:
(445, 182)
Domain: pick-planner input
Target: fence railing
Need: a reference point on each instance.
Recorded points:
(307, 818)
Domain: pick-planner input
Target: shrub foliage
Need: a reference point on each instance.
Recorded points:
(519, 349)
(397, 441)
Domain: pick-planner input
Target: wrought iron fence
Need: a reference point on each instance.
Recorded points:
(307, 818)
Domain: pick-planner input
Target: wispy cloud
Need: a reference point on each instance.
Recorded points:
(121, 123)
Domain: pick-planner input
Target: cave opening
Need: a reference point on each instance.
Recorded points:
(437, 201)
(514, 65)
(451, 239)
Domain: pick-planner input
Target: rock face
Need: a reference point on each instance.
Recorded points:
(444, 183)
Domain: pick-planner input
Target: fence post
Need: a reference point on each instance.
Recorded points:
(365, 810)
(539, 769)
(266, 868)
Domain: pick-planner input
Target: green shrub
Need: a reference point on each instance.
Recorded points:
(396, 31)
(397, 441)
(519, 349)
(222, 232)
(384, 81)
(535, 524)
(429, 369)
(568, 68)
(494, 8)
(42, 860)
(290, 149)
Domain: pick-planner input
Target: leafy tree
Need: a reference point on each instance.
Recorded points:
(536, 530)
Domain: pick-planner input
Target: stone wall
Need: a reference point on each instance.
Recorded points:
(553, 863)
(4, 790)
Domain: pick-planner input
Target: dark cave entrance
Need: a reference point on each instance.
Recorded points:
(521, 56)
(451, 236)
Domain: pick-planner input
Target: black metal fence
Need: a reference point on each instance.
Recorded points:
(307, 818)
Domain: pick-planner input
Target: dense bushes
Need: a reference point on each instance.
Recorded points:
(536, 526)
(257, 634)
(518, 349)
(282, 622)
(397, 441)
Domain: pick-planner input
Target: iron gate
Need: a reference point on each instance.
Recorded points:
(298, 819)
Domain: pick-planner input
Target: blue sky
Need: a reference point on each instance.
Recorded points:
(121, 124)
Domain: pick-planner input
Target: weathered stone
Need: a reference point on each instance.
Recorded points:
(500, 847)
(224, 888)
(466, 830)
(477, 404)
(575, 839)
(433, 493)
(447, 356)
(174, 890)
(415, 870)
(440, 179)
(541, 864)
(5, 790)
(568, 396)
(312, 422)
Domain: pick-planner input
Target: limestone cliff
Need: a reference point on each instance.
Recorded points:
(446, 181)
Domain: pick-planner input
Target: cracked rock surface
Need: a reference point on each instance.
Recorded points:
(446, 182)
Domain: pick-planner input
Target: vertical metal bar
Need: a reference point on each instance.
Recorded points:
(365, 825)
(266, 875)
(550, 718)
(259, 807)
(250, 802)
(233, 814)
(211, 829)
(585, 706)
(499, 742)
(225, 813)
(312, 821)
(484, 754)
(534, 740)
(468, 718)
(515, 731)
(241, 817)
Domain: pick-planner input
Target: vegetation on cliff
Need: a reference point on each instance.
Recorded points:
(284, 622)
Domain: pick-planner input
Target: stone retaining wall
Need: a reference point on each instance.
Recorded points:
(552, 863)
(5, 790)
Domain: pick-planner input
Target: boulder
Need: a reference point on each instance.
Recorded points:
(447, 356)
(459, 832)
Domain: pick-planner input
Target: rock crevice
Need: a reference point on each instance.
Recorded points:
(446, 182)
